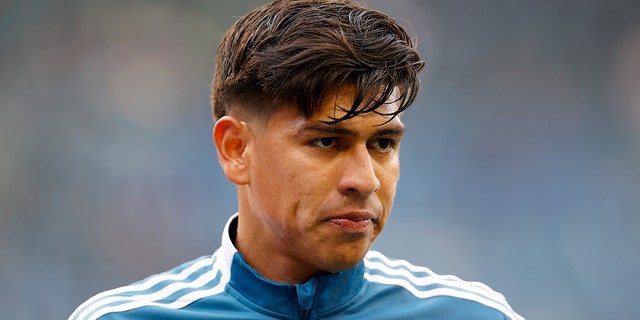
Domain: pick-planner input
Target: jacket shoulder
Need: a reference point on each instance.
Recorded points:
(445, 294)
(157, 294)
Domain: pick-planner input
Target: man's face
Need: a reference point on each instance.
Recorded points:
(322, 192)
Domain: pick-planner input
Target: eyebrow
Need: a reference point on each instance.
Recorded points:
(398, 129)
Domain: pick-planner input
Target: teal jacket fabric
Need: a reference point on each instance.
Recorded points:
(224, 286)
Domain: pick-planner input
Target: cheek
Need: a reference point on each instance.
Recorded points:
(388, 182)
(307, 182)
(269, 177)
(283, 177)
(389, 174)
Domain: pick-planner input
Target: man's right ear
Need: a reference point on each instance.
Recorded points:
(232, 137)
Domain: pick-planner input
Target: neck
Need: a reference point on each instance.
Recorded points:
(263, 251)
(271, 264)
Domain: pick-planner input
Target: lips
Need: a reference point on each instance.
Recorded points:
(353, 222)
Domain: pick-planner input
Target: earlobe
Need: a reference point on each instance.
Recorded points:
(231, 143)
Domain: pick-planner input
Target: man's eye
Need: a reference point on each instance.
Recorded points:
(383, 144)
(325, 142)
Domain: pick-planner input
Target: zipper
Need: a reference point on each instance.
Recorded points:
(304, 314)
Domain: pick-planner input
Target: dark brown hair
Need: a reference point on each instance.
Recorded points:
(294, 52)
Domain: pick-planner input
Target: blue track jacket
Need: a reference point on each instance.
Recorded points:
(224, 286)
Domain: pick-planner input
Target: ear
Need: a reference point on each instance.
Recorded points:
(231, 138)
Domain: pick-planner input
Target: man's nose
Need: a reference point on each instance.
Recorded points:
(358, 175)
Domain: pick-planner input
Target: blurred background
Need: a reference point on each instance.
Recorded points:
(521, 166)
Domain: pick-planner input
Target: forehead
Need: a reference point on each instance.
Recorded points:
(334, 106)
(340, 102)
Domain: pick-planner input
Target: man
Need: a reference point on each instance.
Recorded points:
(308, 96)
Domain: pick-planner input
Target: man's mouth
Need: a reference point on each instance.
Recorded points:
(353, 222)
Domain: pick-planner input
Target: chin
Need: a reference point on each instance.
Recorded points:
(345, 261)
